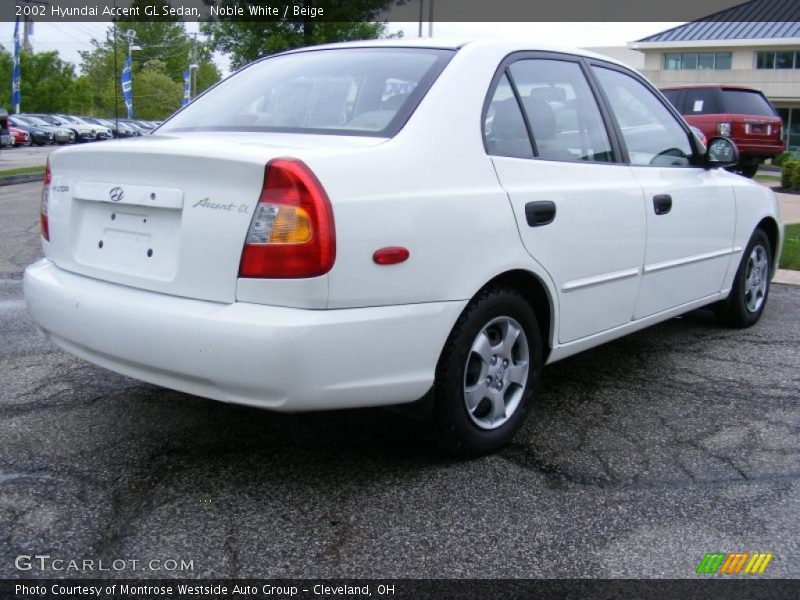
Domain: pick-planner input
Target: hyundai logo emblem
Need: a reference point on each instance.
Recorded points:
(116, 194)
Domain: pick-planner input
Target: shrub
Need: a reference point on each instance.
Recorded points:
(790, 175)
(786, 156)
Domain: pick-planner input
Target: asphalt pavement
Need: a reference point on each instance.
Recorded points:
(637, 459)
(25, 156)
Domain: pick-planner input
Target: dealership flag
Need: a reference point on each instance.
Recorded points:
(187, 86)
(15, 73)
(127, 86)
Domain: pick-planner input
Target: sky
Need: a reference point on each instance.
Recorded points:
(70, 38)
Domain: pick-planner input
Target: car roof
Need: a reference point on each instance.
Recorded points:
(506, 46)
(710, 86)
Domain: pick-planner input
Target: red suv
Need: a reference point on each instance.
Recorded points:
(742, 114)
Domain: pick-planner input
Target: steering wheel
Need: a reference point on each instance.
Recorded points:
(670, 153)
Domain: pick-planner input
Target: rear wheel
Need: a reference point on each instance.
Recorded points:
(748, 296)
(487, 373)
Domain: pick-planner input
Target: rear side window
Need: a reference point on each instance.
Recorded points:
(504, 128)
(652, 135)
(746, 102)
(561, 110)
(673, 96)
(353, 91)
(701, 101)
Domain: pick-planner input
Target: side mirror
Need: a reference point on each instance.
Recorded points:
(721, 152)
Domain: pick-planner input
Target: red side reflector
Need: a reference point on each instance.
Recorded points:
(391, 255)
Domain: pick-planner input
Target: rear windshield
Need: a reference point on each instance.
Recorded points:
(745, 102)
(354, 91)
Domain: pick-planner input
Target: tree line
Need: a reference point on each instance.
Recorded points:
(51, 84)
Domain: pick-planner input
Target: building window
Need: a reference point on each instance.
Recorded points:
(780, 59)
(692, 61)
(791, 126)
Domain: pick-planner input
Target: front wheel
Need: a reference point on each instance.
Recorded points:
(487, 373)
(748, 296)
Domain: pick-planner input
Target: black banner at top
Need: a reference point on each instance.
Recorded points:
(404, 10)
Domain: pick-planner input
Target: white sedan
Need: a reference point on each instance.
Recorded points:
(383, 222)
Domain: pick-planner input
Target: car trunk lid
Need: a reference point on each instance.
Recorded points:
(166, 213)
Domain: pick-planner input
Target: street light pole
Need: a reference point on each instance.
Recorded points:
(130, 34)
(193, 68)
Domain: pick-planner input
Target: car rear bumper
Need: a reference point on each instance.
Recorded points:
(758, 148)
(272, 357)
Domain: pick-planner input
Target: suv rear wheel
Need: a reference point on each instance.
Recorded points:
(747, 169)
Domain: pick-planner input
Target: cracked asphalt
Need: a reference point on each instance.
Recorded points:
(638, 458)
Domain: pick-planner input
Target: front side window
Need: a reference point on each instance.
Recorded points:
(562, 111)
(353, 91)
(651, 133)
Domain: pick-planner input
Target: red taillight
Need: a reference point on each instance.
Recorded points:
(45, 198)
(292, 232)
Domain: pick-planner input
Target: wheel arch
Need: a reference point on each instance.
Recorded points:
(534, 290)
(772, 229)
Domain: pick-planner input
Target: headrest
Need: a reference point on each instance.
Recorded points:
(542, 118)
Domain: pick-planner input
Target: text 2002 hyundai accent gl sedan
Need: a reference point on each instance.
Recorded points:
(373, 223)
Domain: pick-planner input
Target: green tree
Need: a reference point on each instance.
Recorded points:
(248, 40)
(6, 67)
(162, 39)
(155, 94)
(46, 81)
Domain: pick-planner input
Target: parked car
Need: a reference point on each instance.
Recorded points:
(742, 114)
(102, 132)
(365, 224)
(136, 126)
(21, 137)
(61, 135)
(701, 137)
(82, 131)
(118, 129)
(6, 139)
(37, 135)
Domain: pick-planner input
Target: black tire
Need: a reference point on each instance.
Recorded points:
(734, 310)
(451, 425)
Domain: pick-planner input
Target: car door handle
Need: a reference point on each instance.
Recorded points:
(662, 204)
(540, 213)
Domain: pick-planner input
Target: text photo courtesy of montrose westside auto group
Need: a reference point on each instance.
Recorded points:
(402, 299)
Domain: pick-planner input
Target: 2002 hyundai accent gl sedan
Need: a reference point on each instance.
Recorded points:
(375, 223)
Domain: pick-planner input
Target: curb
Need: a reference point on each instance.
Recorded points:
(27, 178)
(786, 277)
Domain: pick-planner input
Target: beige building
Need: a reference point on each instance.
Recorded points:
(761, 55)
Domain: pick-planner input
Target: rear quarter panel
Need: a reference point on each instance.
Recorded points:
(431, 189)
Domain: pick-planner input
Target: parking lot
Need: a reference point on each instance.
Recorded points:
(638, 458)
(30, 156)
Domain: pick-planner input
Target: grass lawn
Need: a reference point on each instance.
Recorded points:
(767, 178)
(790, 257)
(21, 171)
